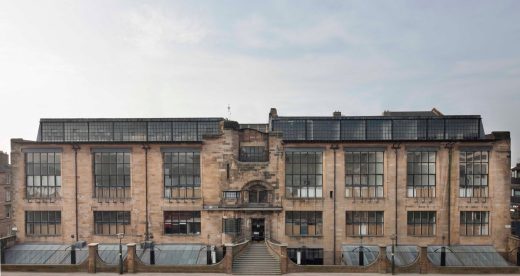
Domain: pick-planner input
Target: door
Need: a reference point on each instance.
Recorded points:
(257, 229)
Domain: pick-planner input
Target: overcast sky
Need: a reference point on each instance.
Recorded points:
(193, 58)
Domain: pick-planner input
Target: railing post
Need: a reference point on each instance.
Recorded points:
(92, 257)
(518, 256)
(73, 254)
(443, 256)
(2, 251)
(152, 254)
(130, 258)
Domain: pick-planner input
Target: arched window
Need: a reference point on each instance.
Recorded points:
(258, 194)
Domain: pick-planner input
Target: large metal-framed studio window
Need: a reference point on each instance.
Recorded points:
(43, 174)
(111, 222)
(42, 223)
(473, 180)
(182, 222)
(421, 174)
(112, 174)
(364, 173)
(232, 226)
(253, 154)
(303, 174)
(421, 223)
(365, 223)
(303, 223)
(181, 173)
(474, 223)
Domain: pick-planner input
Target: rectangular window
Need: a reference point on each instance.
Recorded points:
(364, 174)
(365, 223)
(112, 175)
(308, 256)
(43, 175)
(182, 222)
(111, 222)
(474, 223)
(473, 179)
(43, 223)
(303, 223)
(253, 154)
(232, 226)
(421, 223)
(7, 209)
(231, 194)
(303, 174)
(181, 174)
(7, 196)
(421, 174)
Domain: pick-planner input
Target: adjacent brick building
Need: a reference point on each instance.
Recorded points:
(5, 196)
(419, 178)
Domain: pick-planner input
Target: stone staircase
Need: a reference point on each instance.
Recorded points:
(256, 260)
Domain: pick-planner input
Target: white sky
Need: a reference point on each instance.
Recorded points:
(193, 58)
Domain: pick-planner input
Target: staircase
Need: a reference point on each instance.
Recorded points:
(256, 260)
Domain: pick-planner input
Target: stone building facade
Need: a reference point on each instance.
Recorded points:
(415, 178)
(5, 196)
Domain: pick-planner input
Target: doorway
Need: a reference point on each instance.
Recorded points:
(257, 229)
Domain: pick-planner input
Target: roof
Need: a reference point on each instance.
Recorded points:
(432, 113)
(467, 255)
(175, 254)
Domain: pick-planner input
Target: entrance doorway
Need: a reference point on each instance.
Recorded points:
(257, 229)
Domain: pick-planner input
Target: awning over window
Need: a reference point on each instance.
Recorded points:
(467, 255)
(404, 255)
(351, 254)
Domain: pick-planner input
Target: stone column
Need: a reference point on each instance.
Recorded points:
(424, 264)
(229, 258)
(283, 258)
(92, 257)
(131, 258)
(383, 263)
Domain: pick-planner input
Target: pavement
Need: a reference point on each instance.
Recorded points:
(204, 274)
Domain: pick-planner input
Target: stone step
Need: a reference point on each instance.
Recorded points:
(256, 260)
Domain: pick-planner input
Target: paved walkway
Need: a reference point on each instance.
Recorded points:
(208, 274)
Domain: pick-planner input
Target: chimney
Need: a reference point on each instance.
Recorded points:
(4, 158)
(336, 114)
(273, 113)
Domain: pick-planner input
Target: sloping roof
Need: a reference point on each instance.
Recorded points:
(467, 255)
(175, 254)
(434, 112)
(404, 255)
(350, 254)
(43, 254)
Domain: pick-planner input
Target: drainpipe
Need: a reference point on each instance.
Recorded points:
(146, 148)
(449, 146)
(76, 147)
(396, 148)
(334, 148)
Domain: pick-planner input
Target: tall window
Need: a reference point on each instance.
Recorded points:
(111, 222)
(43, 174)
(305, 223)
(112, 174)
(473, 174)
(421, 223)
(258, 194)
(232, 226)
(364, 174)
(303, 174)
(421, 174)
(365, 223)
(182, 222)
(474, 223)
(181, 174)
(43, 223)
